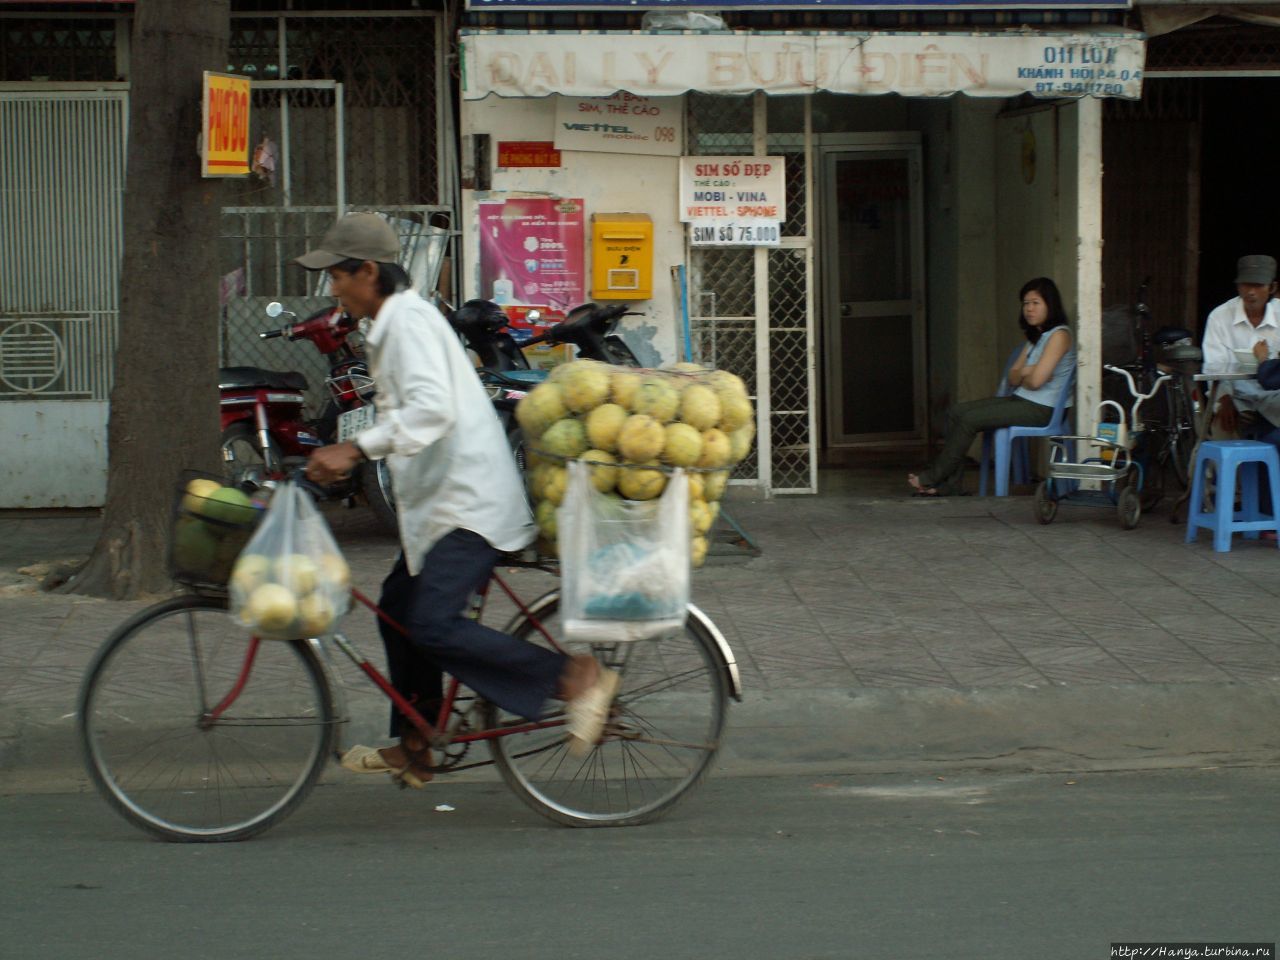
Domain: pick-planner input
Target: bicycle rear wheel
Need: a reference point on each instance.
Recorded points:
(157, 756)
(665, 730)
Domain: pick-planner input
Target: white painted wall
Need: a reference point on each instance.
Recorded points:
(55, 454)
(607, 183)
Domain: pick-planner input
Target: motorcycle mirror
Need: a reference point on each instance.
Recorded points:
(274, 309)
(533, 316)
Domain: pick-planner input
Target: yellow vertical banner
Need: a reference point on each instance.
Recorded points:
(225, 144)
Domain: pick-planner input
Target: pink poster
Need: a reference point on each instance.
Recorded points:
(531, 252)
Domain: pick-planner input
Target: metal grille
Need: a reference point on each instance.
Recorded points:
(1216, 44)
(725, 310)
(391, 92)
(792, 148)
(61, 183)
(259, 244)
(790, 387)
(41, 49)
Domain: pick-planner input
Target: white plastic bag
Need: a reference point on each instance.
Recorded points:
(291, 580)
(624, 563)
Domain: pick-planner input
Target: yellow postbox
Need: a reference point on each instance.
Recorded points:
(621, 256)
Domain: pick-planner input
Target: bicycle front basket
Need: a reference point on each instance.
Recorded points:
(210, 525)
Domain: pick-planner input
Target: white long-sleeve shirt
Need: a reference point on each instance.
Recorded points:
(1229, 329)
(451, 465)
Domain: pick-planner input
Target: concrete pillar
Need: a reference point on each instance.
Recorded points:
(1088, 259)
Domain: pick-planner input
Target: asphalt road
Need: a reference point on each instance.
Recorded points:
(792, 868)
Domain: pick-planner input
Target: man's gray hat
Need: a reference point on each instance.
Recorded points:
(359, 236)
(1256, 268)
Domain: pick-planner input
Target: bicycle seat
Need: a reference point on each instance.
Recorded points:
(236, 378)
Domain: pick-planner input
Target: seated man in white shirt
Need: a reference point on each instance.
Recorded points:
(1242, 322)
(459, 499)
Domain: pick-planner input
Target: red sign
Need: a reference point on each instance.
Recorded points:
(527, 153)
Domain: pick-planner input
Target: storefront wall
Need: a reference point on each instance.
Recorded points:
(605, 183)
(1010, 192)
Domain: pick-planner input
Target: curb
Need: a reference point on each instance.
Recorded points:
(1094, 727)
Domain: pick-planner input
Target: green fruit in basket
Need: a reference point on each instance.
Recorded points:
(315, 615)
(297, 572)
(251, 571)
(683, 445)
(195, 549)
(224, 560)
(271, 608)
(564, 438)
(198, 491)
(230, 506)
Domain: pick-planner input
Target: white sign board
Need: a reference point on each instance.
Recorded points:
(1107, 62)
(735, 233)
(622, 123)
(738, 188)
(733, 201)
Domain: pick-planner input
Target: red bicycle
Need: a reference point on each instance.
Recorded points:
(196, 732)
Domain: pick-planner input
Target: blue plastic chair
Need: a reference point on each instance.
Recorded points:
(1001, 441)
(1234, 459)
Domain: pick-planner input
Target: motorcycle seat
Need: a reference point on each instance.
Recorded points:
(235, 378)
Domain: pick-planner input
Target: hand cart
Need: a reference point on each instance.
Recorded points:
(1118, 474)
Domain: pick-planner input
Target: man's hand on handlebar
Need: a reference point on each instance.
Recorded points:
(333, 463)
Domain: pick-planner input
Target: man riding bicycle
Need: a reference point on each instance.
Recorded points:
(460, 501)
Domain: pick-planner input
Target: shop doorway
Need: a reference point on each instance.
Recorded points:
(873, 319)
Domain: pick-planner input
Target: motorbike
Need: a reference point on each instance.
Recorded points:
(503, 367)
(265, 435)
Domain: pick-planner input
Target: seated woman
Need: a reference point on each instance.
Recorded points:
(1037, 378)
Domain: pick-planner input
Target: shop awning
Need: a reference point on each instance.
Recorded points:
(1103, 63)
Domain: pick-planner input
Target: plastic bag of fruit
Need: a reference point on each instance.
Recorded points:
(291, 580)
(624, 564)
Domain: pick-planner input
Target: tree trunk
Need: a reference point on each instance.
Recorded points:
(164, 402)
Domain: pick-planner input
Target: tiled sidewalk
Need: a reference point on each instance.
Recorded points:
(850, 593)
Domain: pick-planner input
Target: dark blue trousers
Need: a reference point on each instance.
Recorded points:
(512, 674)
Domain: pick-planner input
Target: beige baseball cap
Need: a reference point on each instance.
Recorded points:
(357, 236)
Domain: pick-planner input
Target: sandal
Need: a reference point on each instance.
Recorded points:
(589, 711)
(416, 773)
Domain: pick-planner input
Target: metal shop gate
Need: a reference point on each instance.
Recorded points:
(375, 140)
(752, 309)
(62, 163)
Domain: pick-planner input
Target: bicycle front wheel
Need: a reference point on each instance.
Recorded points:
(159, 756)
(664, 731)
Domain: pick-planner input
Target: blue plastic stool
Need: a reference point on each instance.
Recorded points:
(1234, 458)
